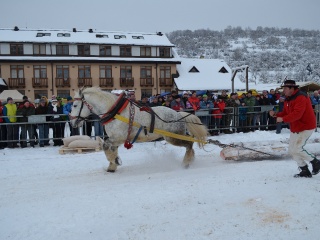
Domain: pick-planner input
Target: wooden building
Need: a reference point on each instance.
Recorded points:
(56, 62)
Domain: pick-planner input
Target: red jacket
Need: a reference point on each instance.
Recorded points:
(194, 102)
(220, 105)
(298, 112)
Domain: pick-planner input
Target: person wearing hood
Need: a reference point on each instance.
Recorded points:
(3, 129)
(10, 113)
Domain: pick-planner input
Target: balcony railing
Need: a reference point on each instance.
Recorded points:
(40, 82)
(17, 82)
(146, 82)
(62, 82)
(84, 82)
(126, 82)
(166, 82)
(106, 82)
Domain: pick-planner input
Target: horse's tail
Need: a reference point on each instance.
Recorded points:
(195, 127)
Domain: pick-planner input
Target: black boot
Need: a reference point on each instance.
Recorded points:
(304, 172)
(315, 166)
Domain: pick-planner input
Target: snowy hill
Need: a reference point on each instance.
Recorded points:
(271, 53)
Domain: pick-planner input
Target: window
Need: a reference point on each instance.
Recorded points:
(165, 72)
(16, 71)
(63, 93)
(63, 34)
(62, 50)
(145, 72)
(43, 34)
(40, 71)
(164, 52)
(125, 72)
(145, 51)
(39, 93)
(84, 72)
(137, 37)
(125, 51)
(16, 49)
(146, 93)
(105, 50)
(84, 50)
(223, 70)
(105, 71)
(102, 36)
(119, 36)
(63, 72)
(39, 49)
(194, 69)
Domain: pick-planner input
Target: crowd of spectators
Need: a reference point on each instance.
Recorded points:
(227, 113)
(15, 119)
(221, 113)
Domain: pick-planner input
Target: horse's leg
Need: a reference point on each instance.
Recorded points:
(111, 153)
(189, 155)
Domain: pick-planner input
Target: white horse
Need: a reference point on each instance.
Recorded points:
(166, 120)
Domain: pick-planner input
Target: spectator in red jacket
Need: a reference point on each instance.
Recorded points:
(219, 106)
(299, 114)
(177, 104)
(193, 102)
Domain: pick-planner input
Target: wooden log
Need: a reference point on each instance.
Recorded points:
(262, 151)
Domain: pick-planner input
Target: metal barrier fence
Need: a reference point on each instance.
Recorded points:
(233, 119)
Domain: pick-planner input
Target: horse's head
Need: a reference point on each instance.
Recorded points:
(80, 110)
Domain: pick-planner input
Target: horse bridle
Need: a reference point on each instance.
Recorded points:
(83, 102)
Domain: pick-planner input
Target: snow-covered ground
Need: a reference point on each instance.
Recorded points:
(45, 195)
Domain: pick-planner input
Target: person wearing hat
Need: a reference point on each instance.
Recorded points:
(177, 104)
(67, 108)
(298, 112)
(56, 110)
(42, 109)
(27, 129)
(10, 113)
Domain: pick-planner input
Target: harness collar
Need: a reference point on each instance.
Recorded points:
(116, 108)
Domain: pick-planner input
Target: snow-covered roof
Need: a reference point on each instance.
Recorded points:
(205, 74)
(84, 36)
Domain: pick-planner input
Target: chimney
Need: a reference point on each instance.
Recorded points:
(74, 30)
(90, 30)
(159, 33)
(16, 28)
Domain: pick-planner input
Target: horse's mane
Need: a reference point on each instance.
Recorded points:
(95, 91)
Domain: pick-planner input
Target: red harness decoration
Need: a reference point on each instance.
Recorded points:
(116, 108)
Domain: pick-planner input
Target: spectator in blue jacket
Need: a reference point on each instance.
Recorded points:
(315, 99)
(206, 103)
(67, 110)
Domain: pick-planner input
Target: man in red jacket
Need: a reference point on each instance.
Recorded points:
(298, 112)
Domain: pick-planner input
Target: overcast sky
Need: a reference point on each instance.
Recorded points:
(159, 15)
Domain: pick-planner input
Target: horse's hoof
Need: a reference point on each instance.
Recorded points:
(118, 161)
(108, 170)
(186, 166)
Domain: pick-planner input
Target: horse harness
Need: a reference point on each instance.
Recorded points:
(121, 103)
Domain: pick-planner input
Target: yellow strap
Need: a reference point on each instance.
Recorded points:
(159, 131)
